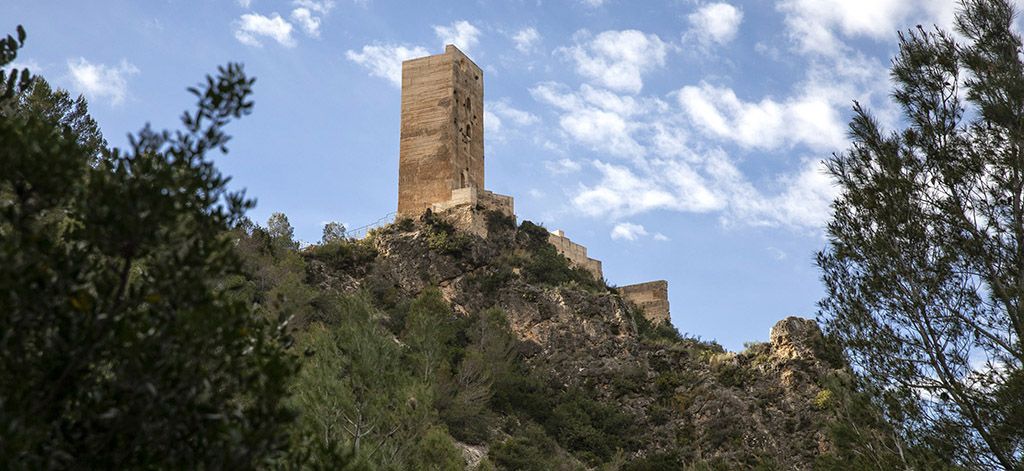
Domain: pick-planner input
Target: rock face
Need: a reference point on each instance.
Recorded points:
(691, 401)
(794, 338)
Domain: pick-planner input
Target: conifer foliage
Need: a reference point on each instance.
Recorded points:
(925, 266)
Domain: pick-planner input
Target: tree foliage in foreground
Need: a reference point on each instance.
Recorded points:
(119, 346)
(925, 266)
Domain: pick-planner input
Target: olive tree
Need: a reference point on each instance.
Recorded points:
(120, 346)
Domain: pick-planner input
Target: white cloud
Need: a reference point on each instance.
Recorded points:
(601, 129)
(526, 39)
(305, 18)
(662, 162)
(499, 112)
(492, 124)
(592, 3)
(251, 26)
(715, 23)
(777, 253)
(628, 231)
(617, 60)
(245, 3)
(517, 116)
(460, 33)
(99, 81)
(816, 26)
(801, 200)
(806, 202)
(321, 7)
(631, 232)
(562, 166)
(309, 14)
(385, 60)
(809, 119)
(598, 118)
(622, 192)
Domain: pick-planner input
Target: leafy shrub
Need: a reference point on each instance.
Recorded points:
(590, 429)
(405, 224)
(667, 381)
(823, 400)
(490, 282)
(443, 238)
(530, 449)
(629, 379)
(343, 254)
(436, 452)
(498, 222)
(650, 332)
(730, 372)
(383, 291)
(543, 264)
(120, 346)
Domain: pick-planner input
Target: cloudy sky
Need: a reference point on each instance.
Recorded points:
(677, 139)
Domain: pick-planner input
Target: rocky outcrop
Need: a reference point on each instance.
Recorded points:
(794, 338)
(691, 401)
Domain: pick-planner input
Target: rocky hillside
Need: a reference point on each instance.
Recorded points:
(656, 400)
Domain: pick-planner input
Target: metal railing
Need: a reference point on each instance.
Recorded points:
(360, 232)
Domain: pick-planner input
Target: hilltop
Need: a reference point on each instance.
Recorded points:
(581, 380)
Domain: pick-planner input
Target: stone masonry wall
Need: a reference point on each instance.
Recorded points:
(651, 296)
(442, 142)
(576, 253)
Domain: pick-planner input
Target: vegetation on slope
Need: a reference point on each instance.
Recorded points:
(147, 324)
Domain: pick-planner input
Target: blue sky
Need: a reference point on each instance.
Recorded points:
(677, 140)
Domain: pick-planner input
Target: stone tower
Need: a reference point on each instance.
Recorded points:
(442, 139)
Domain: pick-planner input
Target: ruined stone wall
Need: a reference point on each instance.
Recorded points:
(442, 141)
(576, 253)
(651, 296)
(501, 203)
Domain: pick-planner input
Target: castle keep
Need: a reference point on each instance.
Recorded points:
(442, 143)
(441, 161)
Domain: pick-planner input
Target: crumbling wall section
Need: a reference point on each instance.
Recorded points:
(651, 297)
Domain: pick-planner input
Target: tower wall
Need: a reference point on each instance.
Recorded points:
(442, 137)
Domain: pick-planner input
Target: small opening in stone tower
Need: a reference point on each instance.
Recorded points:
(464, 177)
(467, 131)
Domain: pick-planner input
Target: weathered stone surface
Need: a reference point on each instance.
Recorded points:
(442, 137)
(652, 297)
(576, 253)
(794, 338)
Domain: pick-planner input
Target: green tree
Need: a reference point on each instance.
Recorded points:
(118, 346)
(281, 231)
(430, 333)
(333, 232)
(275, 279)
(57, 106)
(355, 391)
(925, 266)
(487, 363)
